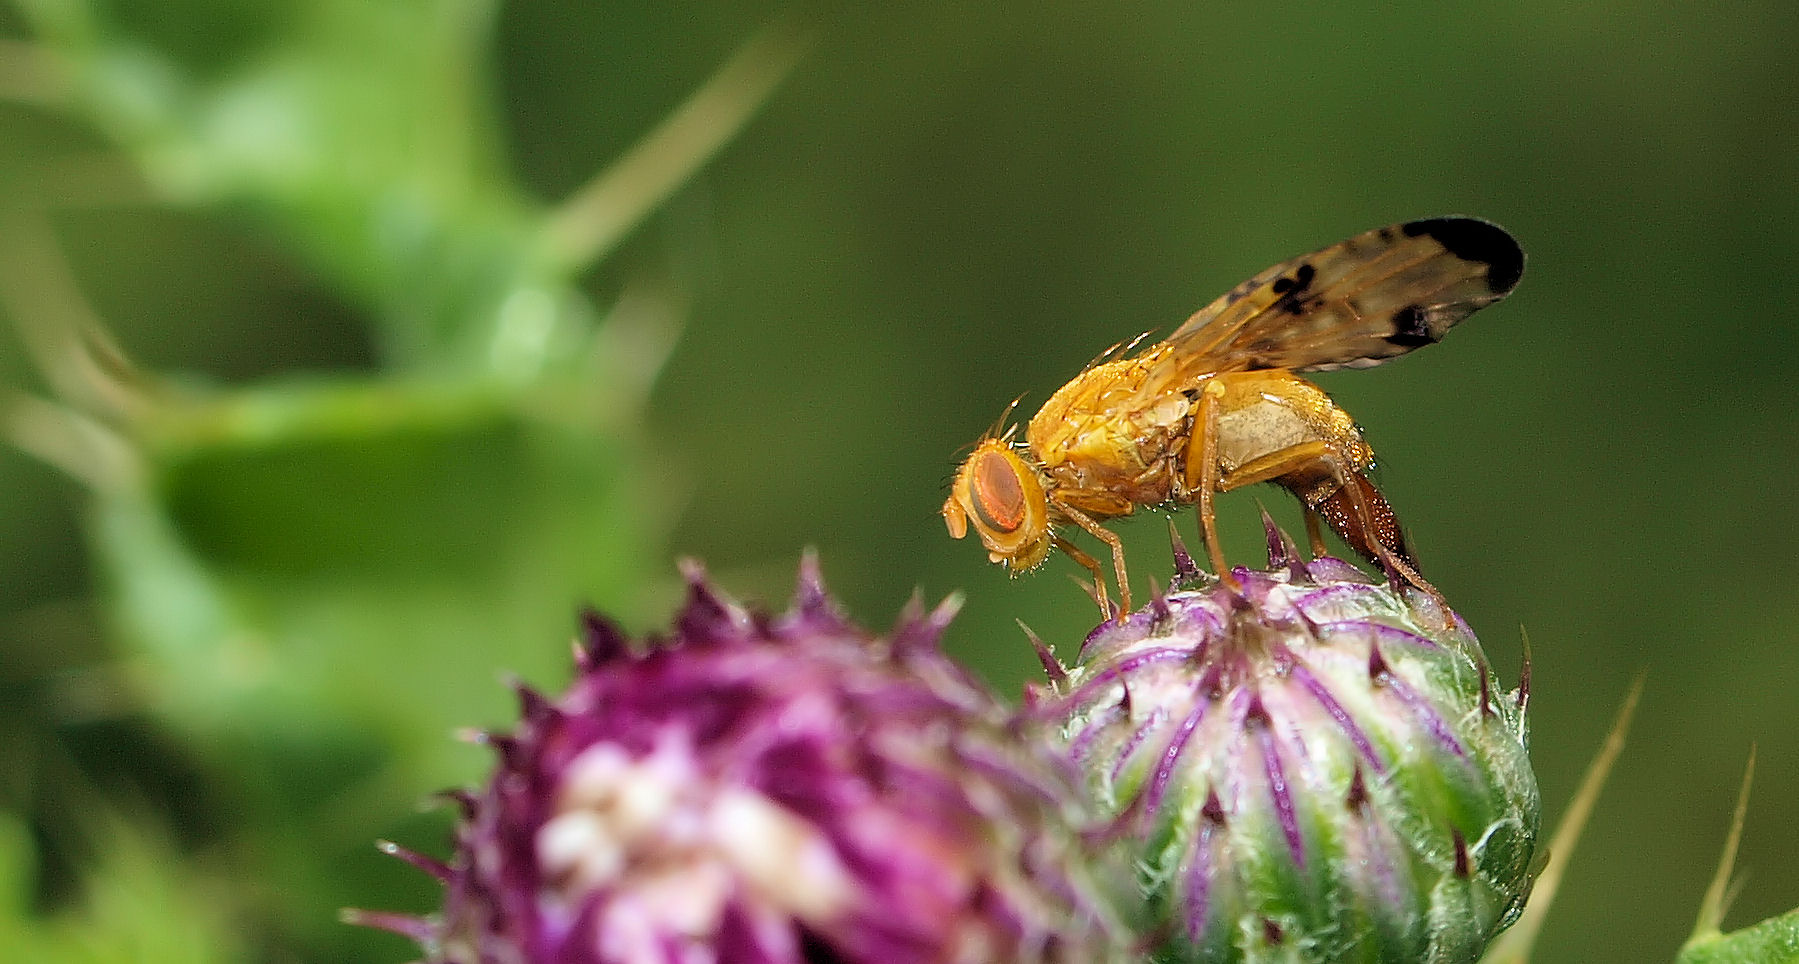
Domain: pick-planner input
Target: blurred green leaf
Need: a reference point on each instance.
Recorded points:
(363, 561)
(955, 203)
(318, 579)
(141, 905)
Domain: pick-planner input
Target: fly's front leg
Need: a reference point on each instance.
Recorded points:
(1092, 566)
(1110, 538)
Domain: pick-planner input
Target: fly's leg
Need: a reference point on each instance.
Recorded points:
(1314, 531)
(1091, 565)
(1358, 524)
(1354, 507)
(1351, 484)
(1110, 538)
(1201, 476)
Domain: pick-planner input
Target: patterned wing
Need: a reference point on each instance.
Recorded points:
(1354, 304)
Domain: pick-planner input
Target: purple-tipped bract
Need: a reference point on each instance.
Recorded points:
(771, 789)
(1312, 767)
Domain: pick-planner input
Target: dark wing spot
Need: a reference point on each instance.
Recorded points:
(1291, 290)
(1301, 280)
(1238, 293)
(1472, 239)
(1410, 329)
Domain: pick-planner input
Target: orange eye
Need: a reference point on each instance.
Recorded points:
(998, 494)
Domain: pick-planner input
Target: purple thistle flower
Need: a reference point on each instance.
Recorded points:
(776, 790)
(1313, 767)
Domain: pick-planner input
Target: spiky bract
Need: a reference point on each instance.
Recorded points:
(1316, 768)
(777, 790)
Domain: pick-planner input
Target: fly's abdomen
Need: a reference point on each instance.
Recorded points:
(1266, 413)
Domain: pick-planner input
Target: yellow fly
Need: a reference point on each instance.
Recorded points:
(1216, 406)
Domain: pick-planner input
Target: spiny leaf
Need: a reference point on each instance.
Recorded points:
(1514, 946)
(1773, 941)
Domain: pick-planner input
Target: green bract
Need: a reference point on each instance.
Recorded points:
(1315, 768)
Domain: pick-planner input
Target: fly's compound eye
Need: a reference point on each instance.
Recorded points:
(998, 493)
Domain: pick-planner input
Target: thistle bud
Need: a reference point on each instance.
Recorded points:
(777, 790)
(1314, 767)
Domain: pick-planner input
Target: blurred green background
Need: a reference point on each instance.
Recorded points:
(944, 206)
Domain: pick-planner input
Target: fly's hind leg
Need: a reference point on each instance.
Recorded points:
(1374, 517)
(1355, 508)
(1351, 505)
(1375, 527)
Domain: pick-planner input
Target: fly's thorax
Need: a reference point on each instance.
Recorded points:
(1106, 427)
(1262, 413)
(1078, 406)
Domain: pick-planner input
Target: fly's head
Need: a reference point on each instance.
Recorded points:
(1001, 496)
